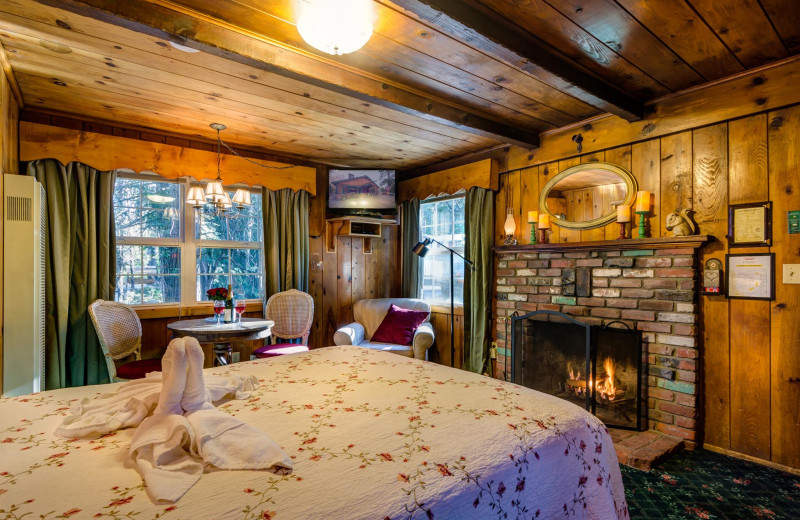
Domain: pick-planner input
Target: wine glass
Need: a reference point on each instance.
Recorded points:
(239, 306)
(219, 309)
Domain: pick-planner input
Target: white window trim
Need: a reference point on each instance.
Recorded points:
(188, 244)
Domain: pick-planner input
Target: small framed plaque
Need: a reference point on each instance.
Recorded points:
(750, 224)
(750, 276)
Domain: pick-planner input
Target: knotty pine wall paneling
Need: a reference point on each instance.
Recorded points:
(9, 163)
(750, 349)
(353, 272)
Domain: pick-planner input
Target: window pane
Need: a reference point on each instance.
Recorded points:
(212, 260)
(246, 227)
(148, 274)
(161, 289)
(247, 286)
(246, 261)
(147, 208)
(444, 221)
(128, 290)
(206, 282)
(162, 260)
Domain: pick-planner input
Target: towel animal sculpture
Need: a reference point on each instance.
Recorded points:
(185, 433)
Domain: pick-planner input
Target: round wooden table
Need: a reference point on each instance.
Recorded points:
(222, 336)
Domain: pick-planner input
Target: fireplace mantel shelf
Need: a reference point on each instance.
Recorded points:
(691, 241)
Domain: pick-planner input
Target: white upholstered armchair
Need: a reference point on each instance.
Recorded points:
(369, 314)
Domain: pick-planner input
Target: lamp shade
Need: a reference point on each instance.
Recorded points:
(224, 201)
(196, 196)
(510, 225)
(241, 197)
(214, 191)
(336, 26)
(421, 249)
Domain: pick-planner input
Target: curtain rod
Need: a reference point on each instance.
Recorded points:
(518, 169)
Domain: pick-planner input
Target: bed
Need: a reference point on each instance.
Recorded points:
(372, 435)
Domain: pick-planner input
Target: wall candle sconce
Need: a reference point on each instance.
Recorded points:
(510, 227)
(642, 209)
(623, 217)
(533, 217)
(544, 225)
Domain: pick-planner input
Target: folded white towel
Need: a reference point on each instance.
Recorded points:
(134, 400)
(173, 376)
(222, 440)
(161, 447)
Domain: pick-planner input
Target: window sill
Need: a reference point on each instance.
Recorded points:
(149, 312)
(445, 309)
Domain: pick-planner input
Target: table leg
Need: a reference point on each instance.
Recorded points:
(222, 354)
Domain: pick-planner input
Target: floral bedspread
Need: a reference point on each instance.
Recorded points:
(373, 435)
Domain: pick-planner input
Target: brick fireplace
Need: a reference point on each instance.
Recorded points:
(649, 284)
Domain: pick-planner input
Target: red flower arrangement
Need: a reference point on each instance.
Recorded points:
(217, 293)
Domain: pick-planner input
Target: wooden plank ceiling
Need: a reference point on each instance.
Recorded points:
(437, 80)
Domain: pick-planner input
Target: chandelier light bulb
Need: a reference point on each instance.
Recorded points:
(336, 26)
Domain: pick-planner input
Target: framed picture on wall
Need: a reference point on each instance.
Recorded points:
(750, 276)
(750, 224)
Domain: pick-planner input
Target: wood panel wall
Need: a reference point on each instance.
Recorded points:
(751, 349)
(9, 163)
(339, 279)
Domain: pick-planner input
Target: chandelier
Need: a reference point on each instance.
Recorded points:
(336, 26)
(214, 199)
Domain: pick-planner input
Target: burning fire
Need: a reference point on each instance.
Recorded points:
(607, 388)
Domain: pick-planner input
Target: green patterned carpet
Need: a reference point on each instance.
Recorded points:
(702, 484)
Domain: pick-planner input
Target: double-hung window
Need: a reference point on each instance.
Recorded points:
(443, 220)
(170, 252)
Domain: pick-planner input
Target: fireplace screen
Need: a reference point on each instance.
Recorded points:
(598, 368)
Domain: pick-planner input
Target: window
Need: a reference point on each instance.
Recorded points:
(443, 220)
(168, 252)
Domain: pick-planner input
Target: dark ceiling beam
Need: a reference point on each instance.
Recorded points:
(486, 30)
(219, 39)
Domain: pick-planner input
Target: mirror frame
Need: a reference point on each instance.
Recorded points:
(630, 184)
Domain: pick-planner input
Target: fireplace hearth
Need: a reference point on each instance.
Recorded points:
(597, 367)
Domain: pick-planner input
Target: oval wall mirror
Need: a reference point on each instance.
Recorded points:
(586, 196)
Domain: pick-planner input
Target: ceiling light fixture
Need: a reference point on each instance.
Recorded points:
(335, 26)
(214, 198)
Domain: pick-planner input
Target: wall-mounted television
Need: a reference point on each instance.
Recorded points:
(362, 192)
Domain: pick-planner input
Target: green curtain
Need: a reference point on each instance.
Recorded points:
(479, 228)
(286, 240)
(410, 279)
(80, 261)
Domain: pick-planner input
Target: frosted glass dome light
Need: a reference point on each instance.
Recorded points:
(336, 26)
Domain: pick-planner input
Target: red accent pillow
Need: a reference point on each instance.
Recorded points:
(398, 326)
(138, 369)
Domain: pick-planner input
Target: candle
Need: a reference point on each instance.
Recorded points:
(544, 221)
(643, 202)
(623, 214)
(533, 216)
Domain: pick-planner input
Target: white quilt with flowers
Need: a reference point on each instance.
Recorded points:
(373, 435)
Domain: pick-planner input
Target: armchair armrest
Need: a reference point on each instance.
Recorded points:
(352, 334)
(423, 339)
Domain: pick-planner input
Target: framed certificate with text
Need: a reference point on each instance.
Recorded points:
(750, 276)
(750, 224)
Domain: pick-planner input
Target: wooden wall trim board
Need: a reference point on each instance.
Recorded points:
(758, 90)
(106, 152)
(482, 174)
(10, 78)
(750, 458)
(147, 312)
